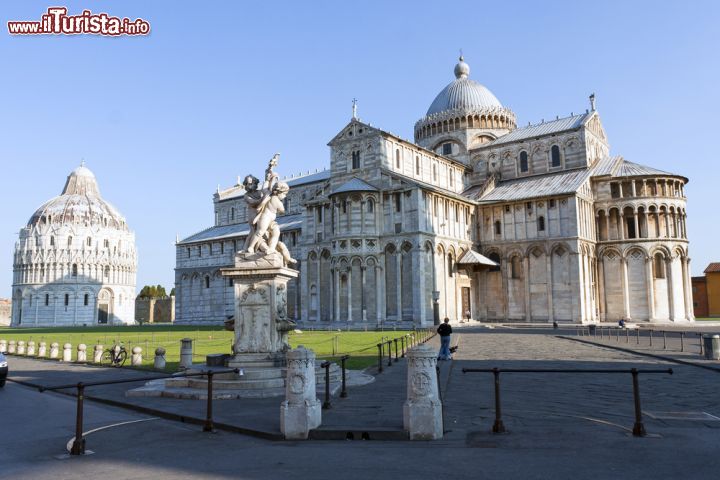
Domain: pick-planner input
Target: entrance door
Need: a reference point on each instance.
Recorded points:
(103, 313)
(466, 308)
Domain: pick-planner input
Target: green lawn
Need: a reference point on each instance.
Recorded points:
(361, 346)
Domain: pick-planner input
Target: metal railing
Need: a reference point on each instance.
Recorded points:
(78, 446)
(638, 429)
(407, 341)
(611, 332)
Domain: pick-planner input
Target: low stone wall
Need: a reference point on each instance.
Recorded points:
(155, 310)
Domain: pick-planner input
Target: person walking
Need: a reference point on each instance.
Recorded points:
(445, 330)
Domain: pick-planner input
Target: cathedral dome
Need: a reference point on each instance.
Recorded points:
(463, 94)
(79, 202)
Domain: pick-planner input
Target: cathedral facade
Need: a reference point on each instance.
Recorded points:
(75, 261)
(491, 221)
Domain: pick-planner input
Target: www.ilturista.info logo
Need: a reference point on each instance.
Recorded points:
(58, 22)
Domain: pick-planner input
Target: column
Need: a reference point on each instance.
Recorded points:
(637, 224)
(689, 312)
(607, 225)
(548, 286)
(379, 294)
(336, 274)
(626, 288)
(349, 294)
(601, 288)
(398, 290)
(526, 281)
(621, 228)
(318, 290)
(670, 287)
(650, 287)
(363, 309)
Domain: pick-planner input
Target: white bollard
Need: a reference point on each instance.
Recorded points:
(186, 353)
(42, 350)
(301, 410)
(31, 348)
(159, 363)
(21, 347)
(67, 353)
(136, 359)
(422, 412)
(11, 347)
(54, 350)
(3, 346)
(82, 353)
(97, 354)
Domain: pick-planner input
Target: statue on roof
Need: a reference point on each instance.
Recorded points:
(264, 203)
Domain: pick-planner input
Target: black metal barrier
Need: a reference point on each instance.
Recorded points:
(78, 446)
(498, 427)
(599, 331)
(406, 342)
(326, 365)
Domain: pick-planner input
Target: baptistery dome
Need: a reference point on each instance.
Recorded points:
(75, 260)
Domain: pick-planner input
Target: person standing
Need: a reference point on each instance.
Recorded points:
(445, 330)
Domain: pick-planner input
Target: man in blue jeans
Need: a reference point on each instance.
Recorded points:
(445, 330)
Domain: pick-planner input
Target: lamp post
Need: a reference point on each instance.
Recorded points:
(436, 307)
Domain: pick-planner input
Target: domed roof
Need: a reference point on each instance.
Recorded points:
(463, 94)
(79, 202)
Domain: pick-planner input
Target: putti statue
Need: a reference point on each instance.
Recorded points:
(260, 276)
(264, 204)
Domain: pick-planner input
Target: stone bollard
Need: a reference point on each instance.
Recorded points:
(31, 349)
(185, 353)
(42, 350)
(136, 359)
(82, 353)
(422, 412)
(54, 350)
(97, 354)
(301, 411)
(159, 359)
(11, 347)
(21, 347)
(3, 346)
(67, 353)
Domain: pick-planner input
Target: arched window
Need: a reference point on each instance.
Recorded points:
(232, 213)
(555, 156)
(523, 161)
(356, 160)
(541, 224)
(450, 264)
(47, 299)
(397, 158)
(498, 227)
(515, 267)
(52, 241)
(370, 206)
(67, 299)
(188, 252)
(207, 281)
(659, 266)
(86, 299)
(495, 257)
(107, 272)
(74, 270)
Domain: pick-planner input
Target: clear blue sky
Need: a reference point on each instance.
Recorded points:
(219, 86)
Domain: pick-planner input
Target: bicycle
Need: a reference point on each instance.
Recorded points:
(114, 357)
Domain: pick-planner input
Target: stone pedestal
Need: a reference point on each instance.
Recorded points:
(301, 411)
(82, 353)
(21, 347)
(422, 412)
(186, 353)
(97, 354)
(42, 349)
(67, 353)
(31, 348)
(261, 322)
(159, 362)
(54, 350)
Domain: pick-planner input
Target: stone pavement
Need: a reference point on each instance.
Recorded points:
(560, 425)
